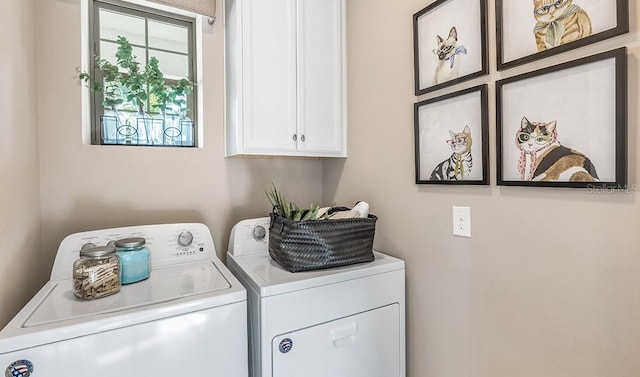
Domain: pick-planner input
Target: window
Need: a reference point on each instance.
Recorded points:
(134, 109)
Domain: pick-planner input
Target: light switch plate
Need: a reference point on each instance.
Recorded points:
(462, 221)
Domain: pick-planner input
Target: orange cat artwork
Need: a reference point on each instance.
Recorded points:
(559, 22)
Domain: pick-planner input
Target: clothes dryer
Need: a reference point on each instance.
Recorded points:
(340, 322)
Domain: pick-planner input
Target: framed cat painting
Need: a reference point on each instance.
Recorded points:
(566, 125)
(451, 138)
(449, 43)
(527, 30)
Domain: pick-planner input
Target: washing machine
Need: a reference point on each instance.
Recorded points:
(340, 322)
(188, 318)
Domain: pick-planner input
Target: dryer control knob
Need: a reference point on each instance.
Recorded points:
(258, 233)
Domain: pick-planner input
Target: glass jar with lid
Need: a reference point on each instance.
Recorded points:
(96, 273)
(135, 259)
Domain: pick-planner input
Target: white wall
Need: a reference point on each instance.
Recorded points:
(19, 171)
(549, 283)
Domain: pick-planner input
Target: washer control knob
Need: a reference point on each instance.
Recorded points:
(258, 233)
(185, 238)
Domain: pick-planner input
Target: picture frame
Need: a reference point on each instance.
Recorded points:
(451, 135)
(590, 21)
(564, 125)
(449, 44)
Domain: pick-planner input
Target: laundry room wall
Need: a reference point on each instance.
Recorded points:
(85, 187)
(19, 177)
(549, 282)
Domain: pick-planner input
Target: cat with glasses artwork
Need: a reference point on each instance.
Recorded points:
(543, 158)
(458, 166)
(559, 22)
(448, 54)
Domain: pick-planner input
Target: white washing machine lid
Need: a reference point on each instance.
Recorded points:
(268, 278)
(54, 313)
(163, 285)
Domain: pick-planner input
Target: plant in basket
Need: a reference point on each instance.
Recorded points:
(315, 238)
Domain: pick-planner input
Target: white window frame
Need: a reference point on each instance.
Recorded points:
(87, 59)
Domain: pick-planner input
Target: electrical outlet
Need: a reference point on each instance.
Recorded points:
(462, 221)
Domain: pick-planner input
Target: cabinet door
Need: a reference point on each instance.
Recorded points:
(320, 76)
(269, 87)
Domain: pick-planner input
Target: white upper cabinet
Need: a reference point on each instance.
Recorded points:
(285, 78)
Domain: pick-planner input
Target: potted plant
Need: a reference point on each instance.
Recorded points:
(144, 88)
(164, 97)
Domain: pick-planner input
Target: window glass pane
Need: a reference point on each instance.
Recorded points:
(108, 51)
(113, 24)
(174, 66)
(168, 37)
(117, 119)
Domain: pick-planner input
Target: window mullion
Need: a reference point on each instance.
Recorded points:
(147, 57)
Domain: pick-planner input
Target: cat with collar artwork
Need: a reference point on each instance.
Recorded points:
(543, 158)
(449, 58)
(559, 22)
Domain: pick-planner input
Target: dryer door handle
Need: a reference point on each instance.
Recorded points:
(344, 335)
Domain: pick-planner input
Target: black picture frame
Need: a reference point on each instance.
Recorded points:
(515, 53)
(587, 100)
(469, 58)
(435, 120)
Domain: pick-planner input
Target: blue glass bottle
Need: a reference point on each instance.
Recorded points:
(134, 259)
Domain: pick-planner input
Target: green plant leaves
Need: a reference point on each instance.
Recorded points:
(126, 79)
(290, 210)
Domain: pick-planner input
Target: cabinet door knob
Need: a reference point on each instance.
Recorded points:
(302, 138)
(295, 137)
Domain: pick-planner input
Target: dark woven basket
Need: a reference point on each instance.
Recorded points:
(318, 244)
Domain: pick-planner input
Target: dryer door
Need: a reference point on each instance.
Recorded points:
(362, 345)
